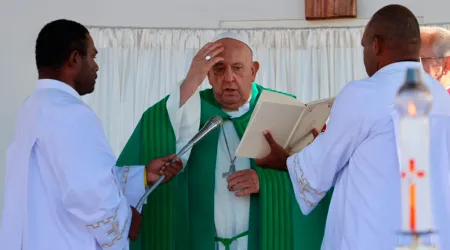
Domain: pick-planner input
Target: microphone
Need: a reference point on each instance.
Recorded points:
(212, 124)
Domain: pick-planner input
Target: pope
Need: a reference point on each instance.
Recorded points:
(218, 201)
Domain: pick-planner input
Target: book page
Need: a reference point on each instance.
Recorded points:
(315, 116)
(278, 118)
(276, 98)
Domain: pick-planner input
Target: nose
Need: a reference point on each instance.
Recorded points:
(228, 75)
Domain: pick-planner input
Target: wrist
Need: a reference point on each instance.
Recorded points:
(284, 165)
(187, 89)
(192, 83)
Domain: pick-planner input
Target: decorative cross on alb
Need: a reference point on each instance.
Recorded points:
(412, 174)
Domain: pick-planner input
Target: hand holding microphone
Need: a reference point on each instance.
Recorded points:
(168, 166)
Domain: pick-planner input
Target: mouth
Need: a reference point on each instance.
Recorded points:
(230, 91)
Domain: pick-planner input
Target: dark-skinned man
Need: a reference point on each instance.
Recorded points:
(357, 154)
(62, 188)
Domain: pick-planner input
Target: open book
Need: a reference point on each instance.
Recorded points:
(289, 121)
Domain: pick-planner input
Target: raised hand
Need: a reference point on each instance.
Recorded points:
(163, 166)
(203, 61)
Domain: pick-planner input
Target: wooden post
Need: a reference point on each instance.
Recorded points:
(329, 9)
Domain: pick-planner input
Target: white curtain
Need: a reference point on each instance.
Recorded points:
(138, 67)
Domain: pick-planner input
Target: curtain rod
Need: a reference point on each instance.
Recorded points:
(277, 28)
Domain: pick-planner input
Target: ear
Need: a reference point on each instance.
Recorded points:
(255, 68)
(74, 59)
(376, 46)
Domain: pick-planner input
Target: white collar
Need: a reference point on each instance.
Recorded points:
(399, 66)
(241, 110)
(55, 84)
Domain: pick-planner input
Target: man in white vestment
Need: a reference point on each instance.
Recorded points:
(357, 154)
(435, 53)
(62, 188)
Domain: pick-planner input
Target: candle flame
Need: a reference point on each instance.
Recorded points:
(412, 111)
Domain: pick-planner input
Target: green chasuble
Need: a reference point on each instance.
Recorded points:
(179, 215)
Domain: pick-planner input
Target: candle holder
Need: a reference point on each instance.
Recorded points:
(416, 244)
(413, 103)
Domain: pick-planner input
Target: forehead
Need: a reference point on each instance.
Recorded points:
(426, 50)
(234, 50)
(90, 42)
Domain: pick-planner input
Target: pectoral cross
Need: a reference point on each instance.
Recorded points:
(230, 172)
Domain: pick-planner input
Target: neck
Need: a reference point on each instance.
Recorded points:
(55, 75)
(395, 58)
(232, 108)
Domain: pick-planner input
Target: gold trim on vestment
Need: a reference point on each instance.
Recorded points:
(305, 186)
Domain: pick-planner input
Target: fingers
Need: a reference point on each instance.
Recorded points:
(245, 192)
(324, 128)
(235, 175)
(241, 185)
(242, 180)
(214, 61)
(213, 53)
(207, 49)
(232, 183)
(314, 132)
(172, 169)
(269, 138)
(168, 158)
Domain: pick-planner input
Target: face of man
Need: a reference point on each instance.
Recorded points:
(87, 70)
(370, 45)
(432, 65)
(232, 79)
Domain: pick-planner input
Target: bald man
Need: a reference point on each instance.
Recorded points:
(357, 154)
(220, 201)
(435, 53)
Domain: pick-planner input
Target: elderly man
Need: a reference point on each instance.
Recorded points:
(210, 206)
(435, 53)
(357, 154)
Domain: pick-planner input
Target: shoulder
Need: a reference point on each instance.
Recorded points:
(261, 88)
(354, 96)
(157, 107)
(59, 108)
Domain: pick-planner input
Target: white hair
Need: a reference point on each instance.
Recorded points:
(438, 38)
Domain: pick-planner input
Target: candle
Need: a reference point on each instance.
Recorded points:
(415, 174)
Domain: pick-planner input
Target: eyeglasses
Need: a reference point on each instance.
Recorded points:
(431, 57)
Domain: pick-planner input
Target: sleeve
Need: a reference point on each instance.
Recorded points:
(133, 181)
(185, 120)
(84, 168)
(314, 170)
